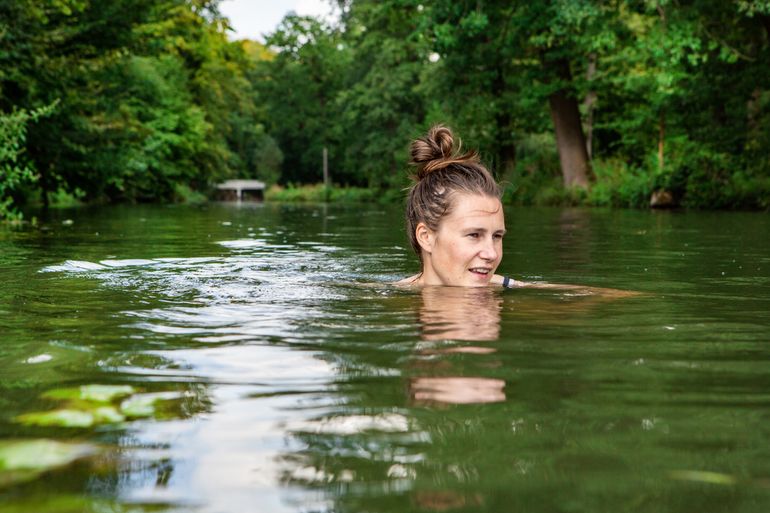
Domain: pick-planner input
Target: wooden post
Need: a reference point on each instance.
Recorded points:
(661, 138)
(326, 167)
(588, 103)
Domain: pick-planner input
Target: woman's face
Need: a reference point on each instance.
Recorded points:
(468, 245)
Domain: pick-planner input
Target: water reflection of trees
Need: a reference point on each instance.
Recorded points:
(360, 452)
(580, 417)
(143, 459)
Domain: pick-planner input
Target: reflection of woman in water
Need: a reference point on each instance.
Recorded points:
(460, 313)
(449, 315)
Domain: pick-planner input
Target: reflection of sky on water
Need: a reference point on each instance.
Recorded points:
(228, 459)
(248, 327)
(277, 338)
(307, 384)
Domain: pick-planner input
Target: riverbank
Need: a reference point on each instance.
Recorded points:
(616, 186)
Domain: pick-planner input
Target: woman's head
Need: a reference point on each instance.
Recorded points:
(454, 216)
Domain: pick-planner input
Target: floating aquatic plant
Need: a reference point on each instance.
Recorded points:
(25, 460)
(92, 405)
(95, 393)
(63, 417)
(701, 476)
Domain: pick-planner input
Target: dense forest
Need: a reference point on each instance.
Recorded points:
(615, 102)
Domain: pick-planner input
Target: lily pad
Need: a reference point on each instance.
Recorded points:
(139, 406)
(95, 393)
(701, 476)
(146, 405)
(92, 405)
(41, 454)
(63, 418)
(108, 414)
(24, 460)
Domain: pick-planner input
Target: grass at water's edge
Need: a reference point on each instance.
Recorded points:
(634, 192)
(614, 187)
(321, 193)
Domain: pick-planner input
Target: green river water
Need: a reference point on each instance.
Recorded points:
(239, 358)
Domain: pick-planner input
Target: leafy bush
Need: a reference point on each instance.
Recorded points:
(15, 170)
(536, 178)
(619, 185)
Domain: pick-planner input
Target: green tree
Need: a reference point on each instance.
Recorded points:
(153, 98)
(518, 57)
(15, 170)
(298, 88)
(382, 105)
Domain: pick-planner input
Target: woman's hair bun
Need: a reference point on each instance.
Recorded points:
(436, 151)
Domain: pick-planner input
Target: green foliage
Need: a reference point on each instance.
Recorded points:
(154, 102)
(15, 170)
(298, 87)
(267, 156)
(380, 107)
(320, 193)
(620, 185)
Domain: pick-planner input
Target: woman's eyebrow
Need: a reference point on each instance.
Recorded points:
(472, 229)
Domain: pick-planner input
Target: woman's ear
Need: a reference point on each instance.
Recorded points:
(425, 237)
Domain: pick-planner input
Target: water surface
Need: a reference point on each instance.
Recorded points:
(292, 377)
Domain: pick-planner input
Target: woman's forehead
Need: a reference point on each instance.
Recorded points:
(476, 205)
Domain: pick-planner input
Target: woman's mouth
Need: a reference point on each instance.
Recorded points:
(480, 271)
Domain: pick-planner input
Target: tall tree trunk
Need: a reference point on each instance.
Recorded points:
(661, 139)
(570, 140)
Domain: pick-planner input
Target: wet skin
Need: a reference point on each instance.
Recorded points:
(467, 247)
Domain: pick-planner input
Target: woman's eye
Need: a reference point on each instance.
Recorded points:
(473, 235)
(498, 236)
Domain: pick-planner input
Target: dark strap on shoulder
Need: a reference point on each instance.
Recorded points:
(506, 281)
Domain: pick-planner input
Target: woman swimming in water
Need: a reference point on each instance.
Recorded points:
(455, 222)
(454, 216)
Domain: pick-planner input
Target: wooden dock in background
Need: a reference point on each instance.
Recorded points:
(238, 190)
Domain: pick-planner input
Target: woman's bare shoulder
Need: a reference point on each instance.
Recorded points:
(408, 282)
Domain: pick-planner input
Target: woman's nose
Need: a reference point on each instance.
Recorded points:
(489, 251)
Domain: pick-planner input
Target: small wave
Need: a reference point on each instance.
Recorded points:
(130, 262)
(242, 243)
(353, 424)
(73, 266)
